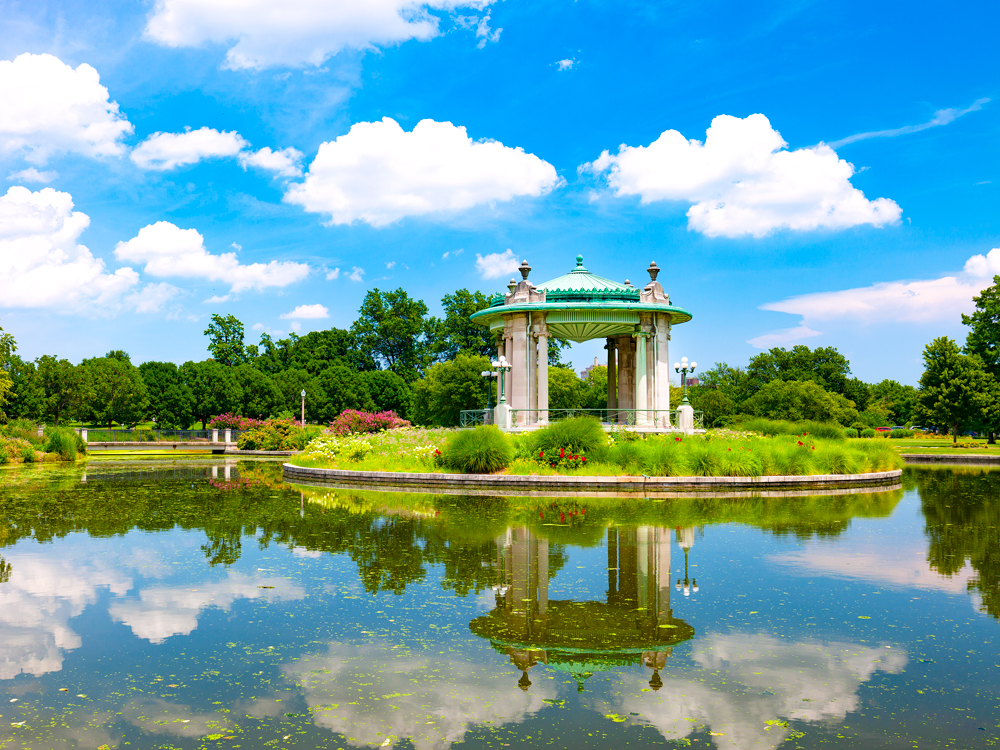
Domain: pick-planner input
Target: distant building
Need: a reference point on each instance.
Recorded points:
(585, 373)
(693, 381)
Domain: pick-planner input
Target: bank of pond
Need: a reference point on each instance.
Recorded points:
(24, 442)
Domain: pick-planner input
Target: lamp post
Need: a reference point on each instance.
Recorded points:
(489, 375)
(303, 394)
(684, 368)
(502, 366)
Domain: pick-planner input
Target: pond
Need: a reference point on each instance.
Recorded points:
(214, 606)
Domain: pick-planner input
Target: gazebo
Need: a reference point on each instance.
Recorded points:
(581, 306)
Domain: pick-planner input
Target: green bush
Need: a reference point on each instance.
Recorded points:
(869, 432)
(305, 434)
(578, 435)
(28, 454)
(484, 450)
(273, 435)
(901, 434)
(64, 442)
(25, 429)
(851, 432)
(772, 427)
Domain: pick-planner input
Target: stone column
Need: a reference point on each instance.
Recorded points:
(215, 436)
(531, 352)
(543, 576)
(612, 377)
(501, 352)
(663, 369)
(642, 416)
(626, 377)
(543, 375)
(227, 435)
(517, 355)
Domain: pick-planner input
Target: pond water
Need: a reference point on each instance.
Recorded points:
(214, 606)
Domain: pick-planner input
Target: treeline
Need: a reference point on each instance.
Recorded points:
(394, 356)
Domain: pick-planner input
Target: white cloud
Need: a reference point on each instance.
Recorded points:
(296, 326)
(742, 181)
(481, 25)
(380, 173)
(306, 312)
(390, 265)
(566, 64)
(356, 274)
(42, 263)
(168, 250)
(284, 162)
(49, 107)
(257, 327)
(784, 336)
(217, 299)
(921, 301)
(296, 32)
(941, 117)
(162, 151)
(495, 265)
(33, 175)
(452, 253)
(333, 274)
(152, 297)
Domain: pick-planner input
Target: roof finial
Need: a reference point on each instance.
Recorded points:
(512, 285)
(628, 283)
(525, 269)
(579, 261)
(653, 270)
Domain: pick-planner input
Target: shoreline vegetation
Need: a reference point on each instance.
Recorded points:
(21, 443)
(579, 447)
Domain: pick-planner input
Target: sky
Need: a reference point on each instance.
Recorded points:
(803, 172)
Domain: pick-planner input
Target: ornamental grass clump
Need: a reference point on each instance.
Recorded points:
(577, 435)
(64, 442)
(354, 422)
(484, 450)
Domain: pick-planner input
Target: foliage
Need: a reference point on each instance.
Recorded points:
(230, 421)
(64, 442)
(214, 388)
(62, 386)
(112, 391)
(225, 340)
(800, 399)
(561, 459)
(8, 347)
(955, 389)
(868, 432)
(273, 435)
(771, 427)
(260, 397)
(594, 388)
(329, 447)
(354, 422)
(577, 435)
(23, 429)
(389, 392)
(392, 326)
(823, 365)
(483, 450)
(713, 403)
(901, 434)
(457, 333)
(171, 401)
(448, 388)
(342, 388)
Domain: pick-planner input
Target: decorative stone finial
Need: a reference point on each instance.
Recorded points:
(653, 270)
(628, 283)
(579, 261)
(525, 269)
(512, 285)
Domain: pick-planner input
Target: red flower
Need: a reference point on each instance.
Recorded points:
(562, 452)
(729, 449)
(562, 518)
(800, 442)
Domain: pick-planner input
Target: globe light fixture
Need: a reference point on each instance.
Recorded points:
(501, 365)
(684, 368)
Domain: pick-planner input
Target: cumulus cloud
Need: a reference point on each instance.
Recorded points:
(496, 265)
(742, 180)
(296, 32)
(783, 337)
(163, 151)
(306, 312)
(42, 263)
(918, 301)
(33, 175)
(379, 173)
(356, 274)
(481, 25)
(283, 162)
(333, 274)
(48, 107)
(566, 64)
(168, 250)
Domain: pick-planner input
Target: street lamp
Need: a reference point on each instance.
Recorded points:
(489, 389)
(684, 368)
(501, 365)
(303, 394)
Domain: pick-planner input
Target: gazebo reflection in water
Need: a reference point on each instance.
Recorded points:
(634, 625)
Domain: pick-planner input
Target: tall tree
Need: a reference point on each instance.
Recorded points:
(225, 340)
(823, 365)
(113, 391)
(955, 388)
(392, 327)
(62, 386)
(448, 388)
(457, 333)
(800, 399)
(344, 388)
(732, 382)
(261, 397)
(27, 396)
(8, 347)
(214, 388)
(983, 339)
(170, 399)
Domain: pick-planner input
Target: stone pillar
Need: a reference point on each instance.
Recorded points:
(83, 434)
(517, 355)
(685, 418)
(501, 352)
(215, 472)
(228, 434)
(642, 416)
(215, 436)
(543, 375)
(662, 377)
(612, 377)
(227, 472)
(531, 352)
(626, 377)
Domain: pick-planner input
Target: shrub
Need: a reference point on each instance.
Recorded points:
(484, 450)
(772, 427)
(24, 429)
(229, 421)
(869, 432)
(64, 442)
(901, 434)
(354, 422)
(28, 454)
(273, 435)
(578, 435)
(851, 432)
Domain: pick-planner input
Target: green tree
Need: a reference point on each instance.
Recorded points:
(261, 397)
(388, 391)
(800, 399)
(62, 386)
(345, 388)
(113, 391)
(392, 327)
(594, 393)
(566, 390)
(225, 340)
(8, 347)
(457, 333)
(983, 339)
(171, 402)
(291, 383)
(955, 388)
(448, 388)
(823, 365)
(732, 382)
(214, 388)
(896, 400)
(713, 403)
(27, 396)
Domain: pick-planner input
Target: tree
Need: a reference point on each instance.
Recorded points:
(388, 391)
(214, 389)
(448, 388)
(732, 382)
(8, 347)
(457, 333)
(345, 388)
(713, 403)
(566, 390)
(800, 399)
(898, 401)
(955, 388)
(171, 402)
(113, 391)
(391, 327)
(823, 365)
(261, 397)
(225, 340)
(983, 339)
(594, 391)
(291, 383)
(62, 386)
(26, 396)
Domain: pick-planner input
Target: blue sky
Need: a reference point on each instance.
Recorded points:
(845, 195)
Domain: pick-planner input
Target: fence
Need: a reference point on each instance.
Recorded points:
(660, 418)
(156, 436)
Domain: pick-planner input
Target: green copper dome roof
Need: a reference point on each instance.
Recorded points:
(581, 280)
